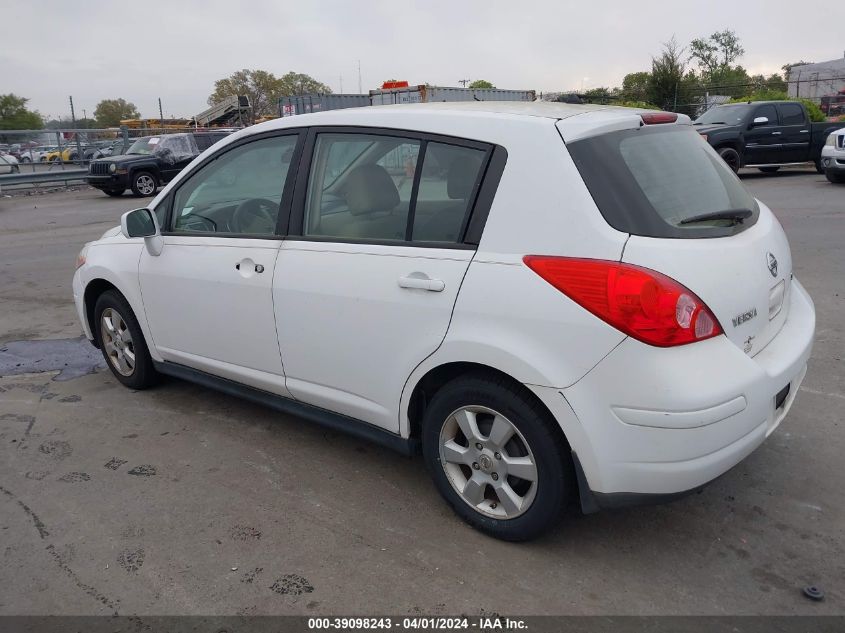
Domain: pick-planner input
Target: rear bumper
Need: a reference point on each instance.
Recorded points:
(654, 424)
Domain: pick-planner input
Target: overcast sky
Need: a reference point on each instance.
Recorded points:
(175, 50)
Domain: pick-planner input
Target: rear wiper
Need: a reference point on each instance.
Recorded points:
(737, 215)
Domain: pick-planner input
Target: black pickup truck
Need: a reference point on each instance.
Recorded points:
(149, 162)
(764, 134)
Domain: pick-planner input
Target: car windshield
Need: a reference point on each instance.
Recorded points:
(146, 145)
(730, 114)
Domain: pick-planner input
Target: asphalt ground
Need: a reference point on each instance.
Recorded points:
(180, 500)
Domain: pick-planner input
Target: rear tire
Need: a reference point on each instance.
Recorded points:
(122, 342)
(144, 184)
(731, 157)
(492, 488)
(769, 170)
(114, 193)
(833, 177)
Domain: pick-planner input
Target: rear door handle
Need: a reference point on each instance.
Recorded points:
(776, 133)
(421, 282)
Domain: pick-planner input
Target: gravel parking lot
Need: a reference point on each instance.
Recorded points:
(181, 500)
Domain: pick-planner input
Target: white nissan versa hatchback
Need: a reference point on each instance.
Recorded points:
(554, 302)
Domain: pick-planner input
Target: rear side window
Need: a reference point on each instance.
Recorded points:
(658, 181)
(791, 114)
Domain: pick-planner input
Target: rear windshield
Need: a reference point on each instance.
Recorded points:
(657, 181)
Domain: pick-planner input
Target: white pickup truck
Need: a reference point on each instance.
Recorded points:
(833, 157)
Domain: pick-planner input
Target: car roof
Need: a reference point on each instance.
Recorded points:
(471, 119)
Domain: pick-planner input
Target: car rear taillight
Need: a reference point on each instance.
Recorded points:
(642, 303)
(653, 118)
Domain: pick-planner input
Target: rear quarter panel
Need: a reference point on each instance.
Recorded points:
(507, 317)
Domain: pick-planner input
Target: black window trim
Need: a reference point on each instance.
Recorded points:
(284, 203)
(474, 219)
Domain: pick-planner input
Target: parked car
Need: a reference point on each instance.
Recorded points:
(833, 157)
(149, 162)
(8, 164)
(764, 134)
(554, 302)
(36, 154)
(67, 154)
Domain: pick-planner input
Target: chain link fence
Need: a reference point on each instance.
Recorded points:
(63, 155)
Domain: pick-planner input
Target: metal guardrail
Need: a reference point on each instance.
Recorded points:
(43, 176)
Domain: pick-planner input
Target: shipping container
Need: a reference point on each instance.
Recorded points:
(290, 106)
(431, 94)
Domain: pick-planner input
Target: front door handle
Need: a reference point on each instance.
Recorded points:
(247, 267)
(776, 133)
(420, 281)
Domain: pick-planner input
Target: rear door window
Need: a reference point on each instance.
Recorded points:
(791, 114)
(653, 181)
(448, 183)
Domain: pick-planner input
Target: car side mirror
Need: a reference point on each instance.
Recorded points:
(143, 223)
(760, 120)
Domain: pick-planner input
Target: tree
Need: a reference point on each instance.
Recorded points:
(264, 89)
(635, 86)
(110, 112)
(293, 84)
(15, 116)
(670, 85)
(481, 84)
(717, 52)
(598, 95)
(259, 85)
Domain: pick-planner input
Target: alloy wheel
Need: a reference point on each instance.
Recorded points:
(488, 462)
(146, 185)
(117, 342)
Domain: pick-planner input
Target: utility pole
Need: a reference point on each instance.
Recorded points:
(75, 135)
(464, 82)
(160, 116)
(360, 87)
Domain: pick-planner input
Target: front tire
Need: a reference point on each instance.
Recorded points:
(114, 193)
(122, 342)
(731, 157)
(833, 177)
(497, 457)
(144, 184)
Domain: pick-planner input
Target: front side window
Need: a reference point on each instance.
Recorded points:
(362, 186)
(239, 192)
(769, 112)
